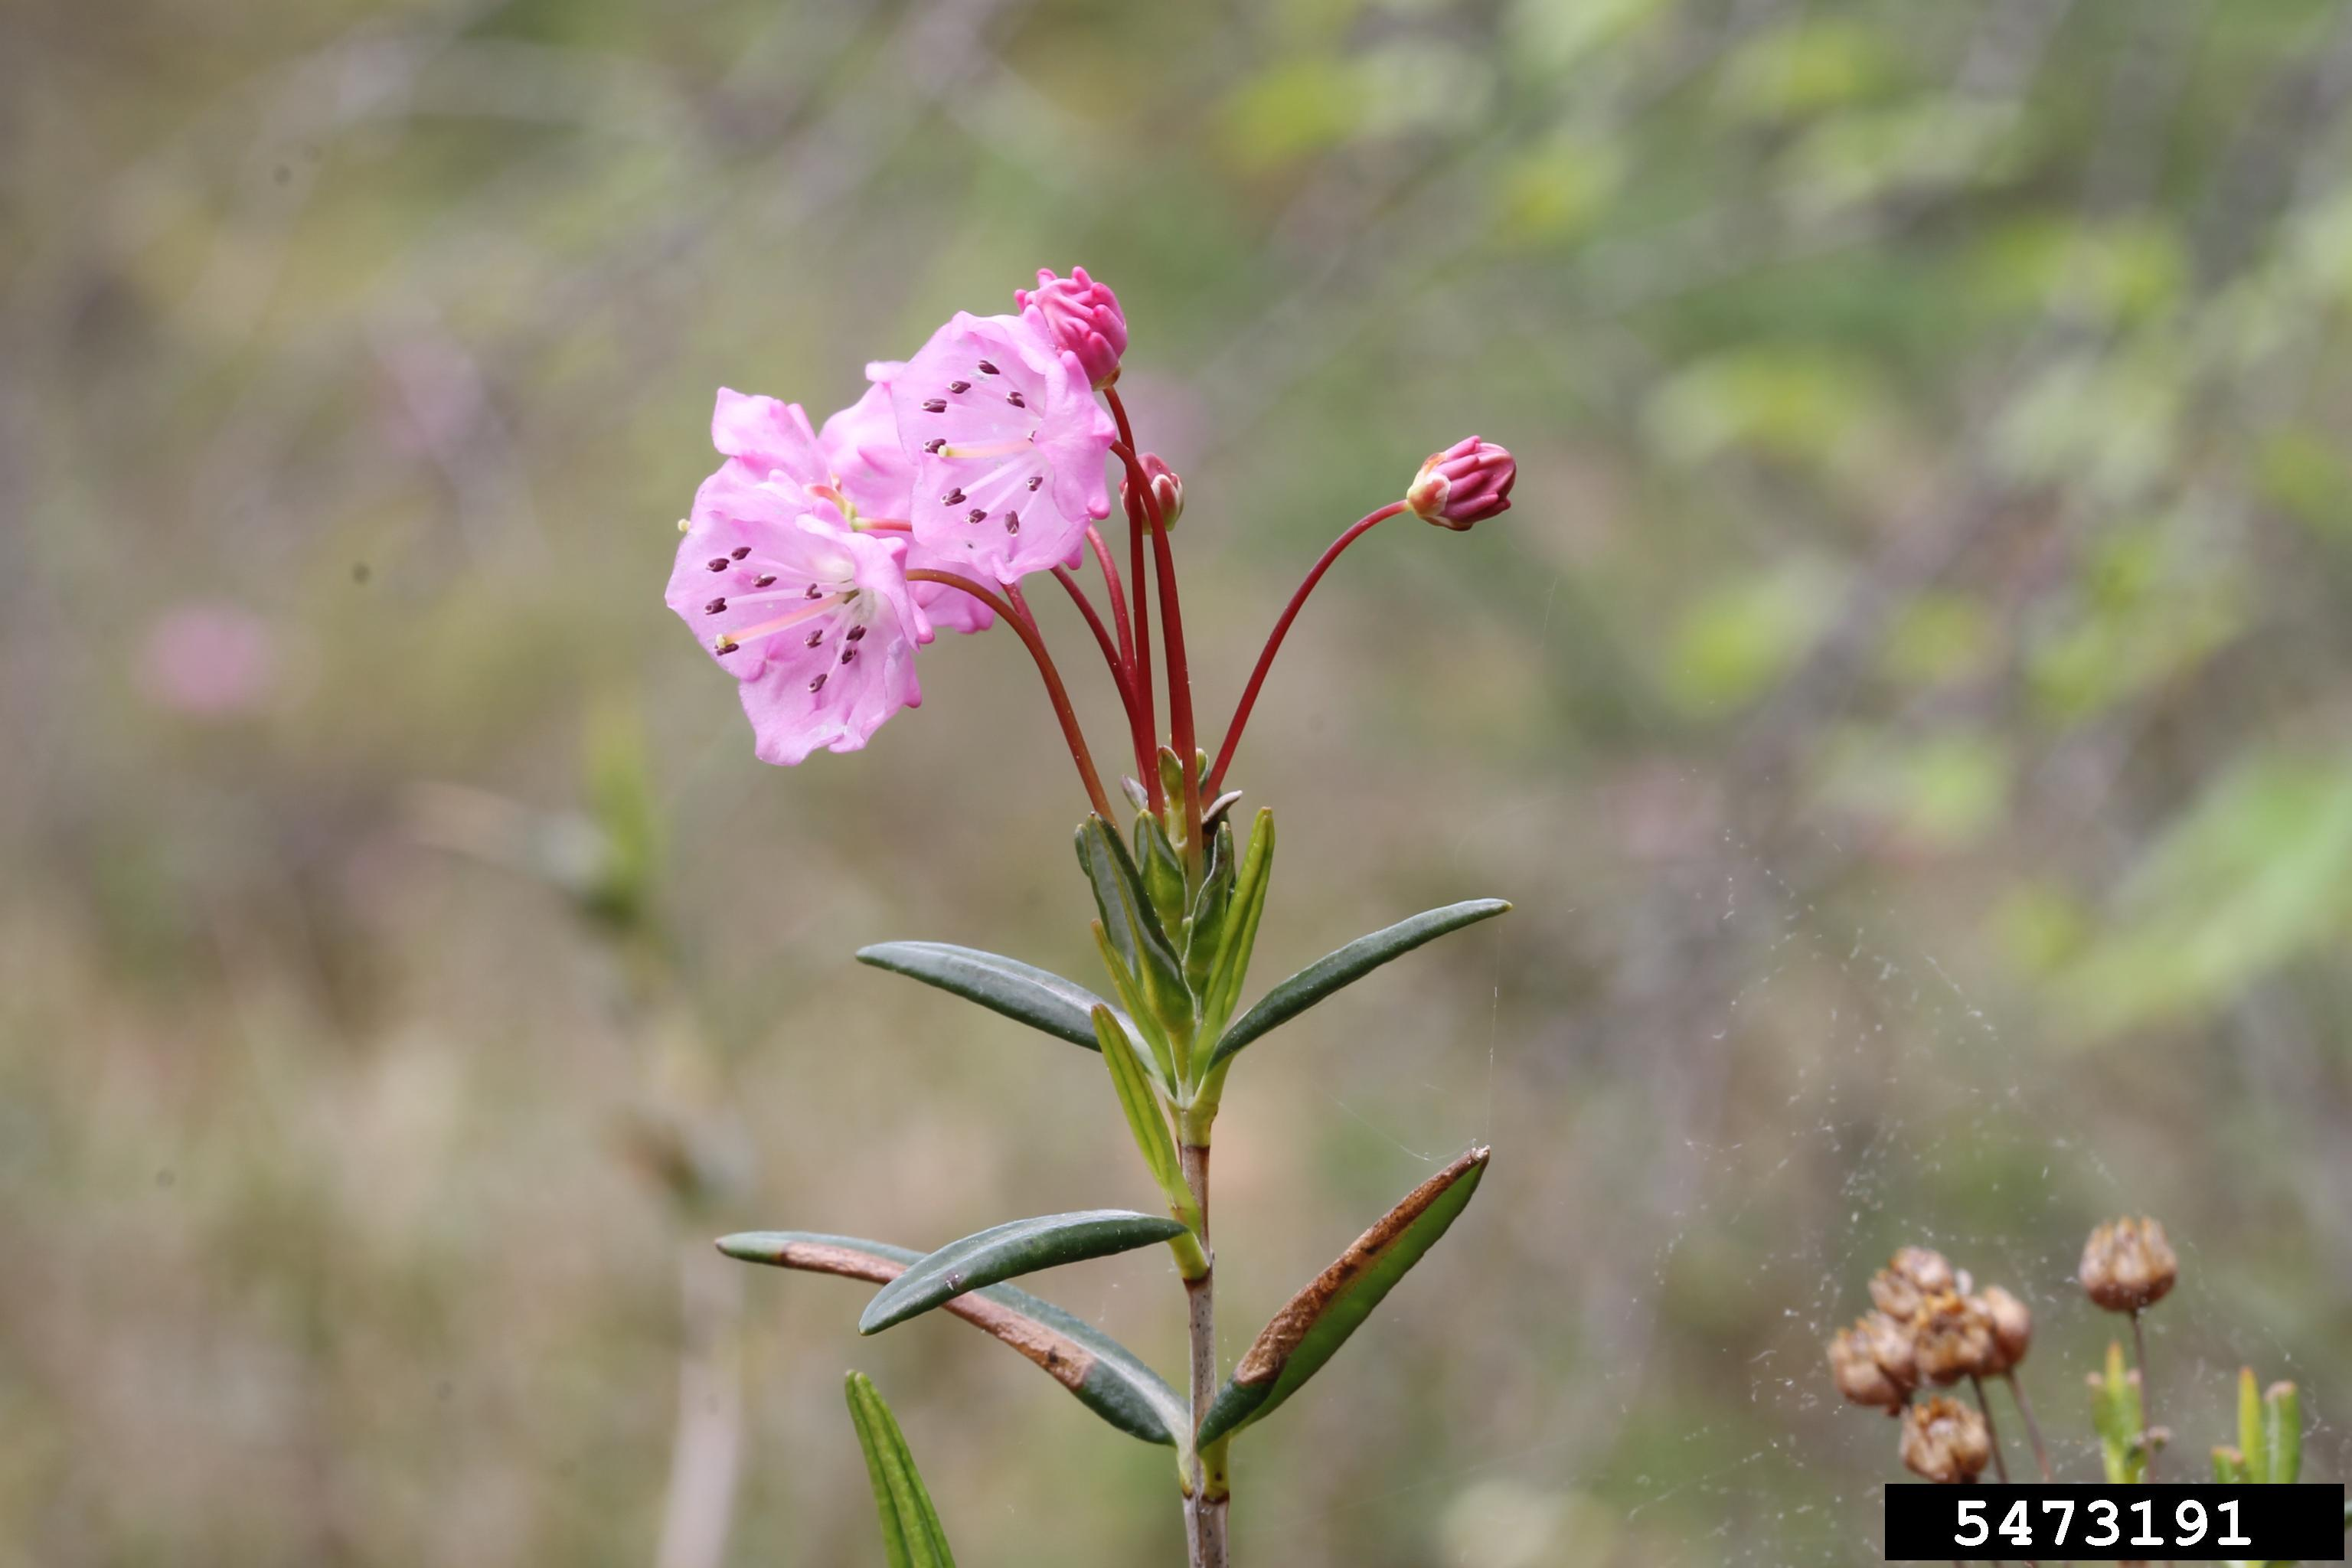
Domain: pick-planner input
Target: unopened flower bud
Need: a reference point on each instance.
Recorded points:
(1859, 1376)
(1890, 1345)
(1166, 488)
(1953, 1338)
(1081, 316)
(2128, 1263)
(1944, 1440)
(1469, 482)
(2012, 1327)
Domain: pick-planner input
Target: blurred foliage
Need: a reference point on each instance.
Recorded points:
(1907, 706)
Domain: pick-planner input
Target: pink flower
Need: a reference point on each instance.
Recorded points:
(812, 617)
(208, 661)
(1080, 315)
(876, 479)
(1008, 444)
(1469, 482)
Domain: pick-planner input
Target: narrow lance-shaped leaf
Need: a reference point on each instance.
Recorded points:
(1134, 929)
(2250, 1427)
(2282, 1433)
(2230, 1467)
(1146, 1119)
(912, 1535)
(1162, 873)
(1130, 992)
(1204, 929)
(1007, 1251)
(1243, 912)
(1311, 1329)
(1345, 967)
(1103, 1374)
(1037, 998)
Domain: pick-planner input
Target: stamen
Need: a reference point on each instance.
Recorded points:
(953, 496)
(816, 637)
(684, 524)
(717, 563)
(856, 633)
(988, 369)
(812, 593)
(993, 449)
(739, 551)
(959, 386)
(766, 580)
(1012, 522)
(818, 684)
(934, 444)
(1036, 480)
(848, 654)
(977, 514)
(935, 405)
(783, 623)
(724, 644)
(1015, 399)
(716, 607)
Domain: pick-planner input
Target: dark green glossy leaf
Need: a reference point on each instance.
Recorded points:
(1103, 1374)
(1318, 1320)
(1348, 966)
(1007, 1251)
(1134, 929)
(911, 1534)
(1246, 908)
(1037, 998)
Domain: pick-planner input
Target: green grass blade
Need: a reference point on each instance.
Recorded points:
(912, 1536)
(1027, 994)
(1007, 1251)
(1345, 967)
(1100, 1373)
(1307, 1332)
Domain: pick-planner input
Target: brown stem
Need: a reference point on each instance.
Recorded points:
(2147, 1400)
(1992, 1433)
(2032, 1427)
(1208, 1494)
(1055, 691)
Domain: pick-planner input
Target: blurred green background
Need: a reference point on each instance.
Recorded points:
(1908, 704)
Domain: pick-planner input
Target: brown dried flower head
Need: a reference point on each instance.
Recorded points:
(2012, 1328)
(2128, 1263)
(1944, 1440)
(1914, 1274)
(1859, 1376)
(1953, 1338)
(1890, 1345)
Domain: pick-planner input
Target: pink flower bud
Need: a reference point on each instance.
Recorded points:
(1081, 316)
(1467, 483)
(1166, 488)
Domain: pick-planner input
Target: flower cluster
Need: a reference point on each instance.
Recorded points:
(817, 561)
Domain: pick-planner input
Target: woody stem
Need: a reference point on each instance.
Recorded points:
(1281, 629)
(1055, 691)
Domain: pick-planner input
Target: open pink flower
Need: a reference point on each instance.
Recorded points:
(876, 480)
(812, 617)
(1008, 444)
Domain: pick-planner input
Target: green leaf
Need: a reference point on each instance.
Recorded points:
(2250, 1427)
(2230, 1467)
(1348, 966)
(1162, 872)
(1145, 1119)
(1006, 1251)
(1243, 913)
(1205, 927)
(1103, 1374)
(1037, 998)
(1134, 929)
(1311, 1329)
(912, 1535)
(1130, 992)
(2282, 1433)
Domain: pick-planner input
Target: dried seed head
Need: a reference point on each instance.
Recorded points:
(1891, 1346)
(1859, 1376)
(2012, 1326)
(1910, 1277)
(2128, 1263)
(1944, 1440)
(1953, 1336)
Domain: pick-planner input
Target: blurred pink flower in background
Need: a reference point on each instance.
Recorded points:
(208, 661)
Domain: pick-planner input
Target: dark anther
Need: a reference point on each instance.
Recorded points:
(953, 496)
(934, 444)
(1036, 480)
(986, 368)
(723, 649)
(959, 386)
(1015, 399)
(856, 633)
(935, 405)
(977, 514)
(812, 593)
(847, 654)
(768, 580)
(718, 563)
(818, 684)
(1012, 522)
(739, 551)
(816, 637)
(715, 606)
